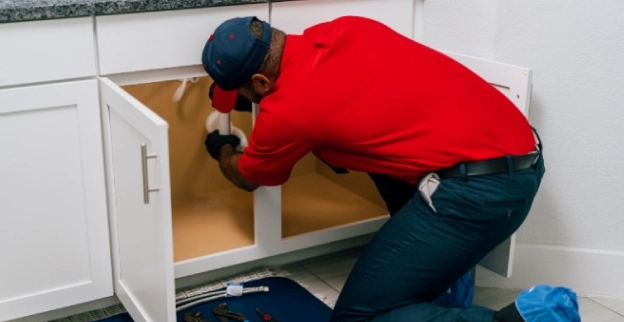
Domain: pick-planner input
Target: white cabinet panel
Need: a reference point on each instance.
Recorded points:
(41, 51)
(53, 230)
(157, 40)
(514, 82)
(295, 16)
(141, 215)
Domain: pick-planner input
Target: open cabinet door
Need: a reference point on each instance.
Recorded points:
(140, 206)
(515, 83)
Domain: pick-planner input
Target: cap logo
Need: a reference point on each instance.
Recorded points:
(232, 36)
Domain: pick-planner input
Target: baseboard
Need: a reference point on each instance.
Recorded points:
(588, 272)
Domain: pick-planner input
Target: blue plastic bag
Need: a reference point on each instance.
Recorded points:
(546, 303)
(460, 295)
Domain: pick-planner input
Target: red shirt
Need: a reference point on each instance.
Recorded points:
(363, 97)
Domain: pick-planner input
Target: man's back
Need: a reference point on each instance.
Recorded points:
(373, 100)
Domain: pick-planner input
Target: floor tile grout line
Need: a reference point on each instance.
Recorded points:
(319, 278)
(604, 306)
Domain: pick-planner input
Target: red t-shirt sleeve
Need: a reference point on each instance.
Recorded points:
(275, 146)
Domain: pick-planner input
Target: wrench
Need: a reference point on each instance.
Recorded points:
(194, 316)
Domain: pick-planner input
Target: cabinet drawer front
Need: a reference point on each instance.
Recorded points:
(296, 16)
(42, 51)
(157, 40)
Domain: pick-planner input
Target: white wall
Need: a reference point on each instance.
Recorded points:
(576, 50)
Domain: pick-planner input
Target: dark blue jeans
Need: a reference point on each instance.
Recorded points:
(419, 253)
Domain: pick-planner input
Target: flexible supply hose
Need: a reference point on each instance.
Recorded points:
(251, 290)
(213, 293)
(180, 91)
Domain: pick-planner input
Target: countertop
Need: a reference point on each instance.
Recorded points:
(28, 10)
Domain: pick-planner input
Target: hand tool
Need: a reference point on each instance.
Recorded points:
(266, 317)
(194, 316)
(224, 315)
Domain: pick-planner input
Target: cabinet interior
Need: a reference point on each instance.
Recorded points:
(316, 198)
(210, 214)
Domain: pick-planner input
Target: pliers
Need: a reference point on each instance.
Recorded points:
(194, 316)
(224, 315)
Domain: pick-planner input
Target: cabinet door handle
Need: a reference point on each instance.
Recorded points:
(144, 157)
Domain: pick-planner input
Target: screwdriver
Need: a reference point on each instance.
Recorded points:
(266, 317)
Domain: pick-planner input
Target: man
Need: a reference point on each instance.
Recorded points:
(362, 97)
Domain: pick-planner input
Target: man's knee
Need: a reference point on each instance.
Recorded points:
(341, 315)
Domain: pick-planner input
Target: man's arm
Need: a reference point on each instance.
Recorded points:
(228, 162)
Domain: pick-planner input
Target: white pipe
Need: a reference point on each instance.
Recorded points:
(224, 123)
(225, 127)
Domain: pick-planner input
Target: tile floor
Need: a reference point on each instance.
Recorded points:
(325, 276)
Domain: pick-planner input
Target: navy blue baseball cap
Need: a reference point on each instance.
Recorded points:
(231, 56)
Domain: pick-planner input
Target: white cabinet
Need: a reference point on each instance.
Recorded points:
(173, 212)
(54, 245)
(295, 16)
(158, 40)
(47, 50)
(170, 202)
(513, 81)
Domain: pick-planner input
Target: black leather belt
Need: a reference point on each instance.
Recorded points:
(491, 166)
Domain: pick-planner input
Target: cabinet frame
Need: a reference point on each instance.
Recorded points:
(267, 200)
(112, 93)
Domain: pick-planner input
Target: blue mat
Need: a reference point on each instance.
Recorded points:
(286, 301)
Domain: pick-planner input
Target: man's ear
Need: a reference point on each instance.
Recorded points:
(261, 84)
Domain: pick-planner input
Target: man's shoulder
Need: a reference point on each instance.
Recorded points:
(276, 108)
(348, 21)
(343, 23)
(281, 102)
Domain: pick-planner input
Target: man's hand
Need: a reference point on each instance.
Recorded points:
(228, 163)
(215, 141)
(242, 103)
(223, 149)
